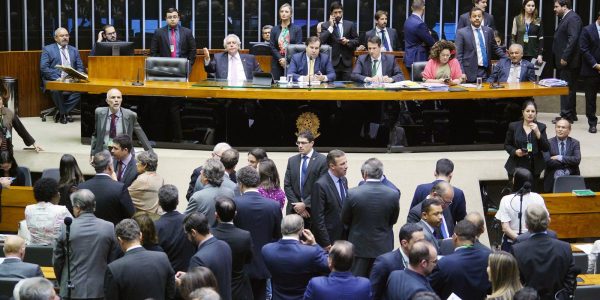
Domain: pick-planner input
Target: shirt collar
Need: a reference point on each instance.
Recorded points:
(335, 178)
(420, 18)
(236, 55)
(428, 226)
(379, 30)
(133, 247)
(248, 190)
(475, 28)
(289, 237)
(377, 58)
(61, 47)
(127, 159)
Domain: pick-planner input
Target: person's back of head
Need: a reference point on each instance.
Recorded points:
(477, 220)
(372, 169)
(205, 294)
(168, 197)
(213, 170)
(444, 167)
(128, 231)
(198, 277)
(14, 245)
(36, 288)
(83, 200)
(503, 274)
(292, 225)
(230, 158)
(102, 161)
(522, 181)
(45, 189)
(341, 256)
(69, 170)
(248, 177)
(536, 218)
(225, 208)
(147, 228)
(527, 293)
(465, 232)
(220, 148)
(196, 222)
(419, 252)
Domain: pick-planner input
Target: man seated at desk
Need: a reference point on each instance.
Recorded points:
(231, 65)
(513, 69)
(311, 64)
(107, 34)
(375, 66)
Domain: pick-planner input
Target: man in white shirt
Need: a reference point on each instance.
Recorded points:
(513, 69)
(231, 64)
(388, 35)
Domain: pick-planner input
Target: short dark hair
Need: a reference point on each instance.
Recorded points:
(566, 3)
(310, 40)
(196, 221)
(522, 181)
(474, 9)
(128, 230)
(248, 176)
(335, 5)
(168, 197)
(106, 27)
(444, 167)
(427, 203)
(124, 141)
(172, 10)
(419, 252)
(380, 13)
(466, 231)
(375, 40)
(230, 158)
(342, 255)
(407, 230)
(44, 189)
(258, 153)
(307, 135)
(332, 155)
(225, 208)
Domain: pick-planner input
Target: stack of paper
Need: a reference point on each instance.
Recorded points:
(435, 87)
(552, 82)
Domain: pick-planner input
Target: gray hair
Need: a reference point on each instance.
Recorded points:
(102, 160)
(205, 293)
(237, 40)
(292, 224)
(220, 148)
(213, 171)
(36, 288)
(58, 29)
(248, 176)
(267, 27)
(516, 45)
(128, 230)
(372, 168)
(84, 199)
(536, 218)
(442, 188)
(149, 159)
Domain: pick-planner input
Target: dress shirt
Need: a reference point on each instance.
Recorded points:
(65, 59)
(340, 28)
(125, 164)
(133, 247)
(380, 33)
(118, 123)
(379, 67)
(477, 47)
(337, 185)
(515, 72)
(405, 259)
(560, 154)
(308, 156)
(235, 66)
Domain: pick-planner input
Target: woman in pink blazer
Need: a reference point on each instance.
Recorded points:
(443, 67)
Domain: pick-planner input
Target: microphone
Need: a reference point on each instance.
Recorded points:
(68, 221)
(136, 83)
(311, 61)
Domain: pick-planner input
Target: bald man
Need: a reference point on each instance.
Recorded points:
(13, 265)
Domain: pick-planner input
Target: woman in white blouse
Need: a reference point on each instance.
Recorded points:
(44, 219)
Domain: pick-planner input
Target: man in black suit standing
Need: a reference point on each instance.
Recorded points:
(342, 36)
(132, 276)
(262, 218)
(444, 192)
(488, 20)
(388, 36)
(113, 202)
(212, 253)
(565, 48)
(431, 219)
(369, 212)
(124, 163)
(173, 40)
(589, 41)
(13, 266)
(240, 243)
(303, 169)
(564, 155)
(404, 284)
(376, 66)
(328, 196)
(545, 264)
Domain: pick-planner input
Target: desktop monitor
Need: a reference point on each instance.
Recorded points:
(114, 49)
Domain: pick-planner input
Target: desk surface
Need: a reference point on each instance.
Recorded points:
(589, 279)
(201, 90)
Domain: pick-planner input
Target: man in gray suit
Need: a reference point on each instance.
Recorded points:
(13, 265)
(93, 246)
(431, 218)
(115, 120)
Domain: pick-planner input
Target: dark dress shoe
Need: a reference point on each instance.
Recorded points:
(69, 118)
(593, 129)
(63, 119)
(56, 117)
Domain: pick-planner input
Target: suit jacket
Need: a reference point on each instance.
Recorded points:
(193, 180)
(186, 45)
(546, 264)
(385, 182)
(340, 53)
(299, 66)
(391, 32)
(466, 50)
(388, 65)
(429, 236)
(338, 285)
(589, 43)
(129, 124)
(527, 235)
(566, 41)
(13, 267)
(215, 255)
(516, 139)
(240, 243)
(220, 65)
(317, 166)
(447, 246)
(51, 57)
(570, 160)
(290, 276)
(123, 280)
(130, 173)
(93, 247)
(113, 203)
(383, 266)
(295, 34)
(174, 241)
(144, 193)
(417, 40)
(370, 222)
(463, 273)
(404, 284)
(262, 218)
(502, 70)
(326, 209)
(465, 20)
(203, 201)
(414, 216)
(458, 208)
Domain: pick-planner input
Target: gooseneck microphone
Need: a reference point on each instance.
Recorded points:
(68, 221)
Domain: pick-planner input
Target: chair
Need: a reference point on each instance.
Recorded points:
(568, 183)
(7, 285)
(27, 173)
(261, 49)
(417, 70)
(53, 173)
(297, 48)
(167, 69)
(587, 292)
(581, 262)
(39, 255)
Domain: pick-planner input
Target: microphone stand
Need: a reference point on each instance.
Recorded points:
(70, 285)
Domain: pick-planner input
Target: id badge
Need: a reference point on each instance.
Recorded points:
(529, 147)
(526, 38)
(172, 48)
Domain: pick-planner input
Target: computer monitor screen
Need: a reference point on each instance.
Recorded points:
(114, 49)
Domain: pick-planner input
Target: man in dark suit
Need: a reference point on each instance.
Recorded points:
(403, 284)
(240, 243)
(417, 37)
(328, 197)
(369, 212)
(464, 272)
(218, 150)
(173, 40)
(431, 219)
(589, 42)
(124, 163)
(376, 66)
(132, 276)
(395, 260)
(291, 276)
(564, 155)
(513, 69)
(92, 247)
(231, 64)
(13, 266)
(340, 284)
(230, 159)
(60, 53)
(465, 19)
(262, 218)
(108, 127)
(212, 253)
(444, 170)
(388, 36)
(168, 228)
(113, 202)
(474, 47)
(311, 65)
(545, 264)
(444, 192)
(107, 34)
(565, 48)
(342, 36)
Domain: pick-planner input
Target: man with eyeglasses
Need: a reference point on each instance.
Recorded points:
(404, 284)
(443, 192)
(173, 40)
(107, 34)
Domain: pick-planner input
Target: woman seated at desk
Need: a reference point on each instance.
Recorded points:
(443, 67)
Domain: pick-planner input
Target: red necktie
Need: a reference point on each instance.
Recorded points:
(113, 126)
(119, 170)
(174, 43)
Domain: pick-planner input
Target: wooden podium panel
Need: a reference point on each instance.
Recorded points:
(573, 217)
(14, 200)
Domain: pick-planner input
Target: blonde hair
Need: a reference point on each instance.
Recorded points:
(504, 275)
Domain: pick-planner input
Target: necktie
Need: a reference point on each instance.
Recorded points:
(444, 229)
(173, 43)
(374, 68)
(63, 52)
(119, 170)
(384, 41)
(113, 126)
(342, 190)
(311, 67)
(482, 48)
(303, 172)
(336, 30)
(562, 148)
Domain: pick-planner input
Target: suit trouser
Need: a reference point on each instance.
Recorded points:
(64, 101)
(362, 266)
(259, 288)
(568, 102)
(592, 88)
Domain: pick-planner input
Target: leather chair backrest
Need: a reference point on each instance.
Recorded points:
(417, 69)
(261, 49)
(167, 69)
(297, 48)
(39, 255)
(568, 183)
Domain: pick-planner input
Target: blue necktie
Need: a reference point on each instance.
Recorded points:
(482, 47)
(384, 41)
(444, 229)
(342, 190)
(562, 148)
(303, 173)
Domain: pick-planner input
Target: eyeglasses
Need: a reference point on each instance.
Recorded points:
(111, 33)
